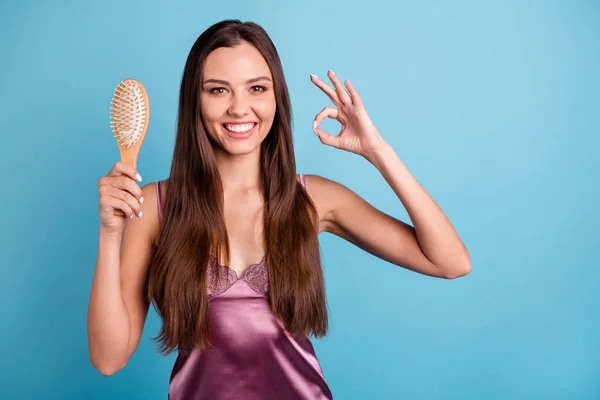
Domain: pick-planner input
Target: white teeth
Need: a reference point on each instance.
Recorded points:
(239, 127)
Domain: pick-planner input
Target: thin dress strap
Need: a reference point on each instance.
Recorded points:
(159, 201)
(302, 181)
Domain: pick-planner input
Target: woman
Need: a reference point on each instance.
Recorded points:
(227, 250)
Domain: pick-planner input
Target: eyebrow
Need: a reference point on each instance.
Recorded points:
(249, 81)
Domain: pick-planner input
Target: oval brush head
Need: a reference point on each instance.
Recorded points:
(129, 114)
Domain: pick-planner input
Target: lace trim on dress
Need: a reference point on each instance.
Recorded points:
(219, 277)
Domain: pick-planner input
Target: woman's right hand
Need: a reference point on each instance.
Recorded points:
(119, 190)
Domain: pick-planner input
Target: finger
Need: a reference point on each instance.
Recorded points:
(122, 168)
(121, 183)
(324, 137)
(356, 100)
(327, 112)
(341, 92)
(126, 197)
(128, 184)
(113, 203)
(328, 90)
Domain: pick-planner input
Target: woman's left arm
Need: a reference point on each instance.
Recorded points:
(432, 247)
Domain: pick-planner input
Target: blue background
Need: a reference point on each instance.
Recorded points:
(493, 106)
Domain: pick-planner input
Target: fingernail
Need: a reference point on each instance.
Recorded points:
(131, 216)
(140, 214)
(141, 199)
(332, 72)
(314, 76)
(138, 177)
(314, 125)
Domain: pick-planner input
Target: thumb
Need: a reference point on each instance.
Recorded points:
(325, 137)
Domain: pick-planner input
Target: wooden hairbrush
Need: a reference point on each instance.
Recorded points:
(130, 115)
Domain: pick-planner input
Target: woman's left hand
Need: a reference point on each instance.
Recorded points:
(358, 134)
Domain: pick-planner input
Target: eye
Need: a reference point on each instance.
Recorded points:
(217, 90)
(259, 88)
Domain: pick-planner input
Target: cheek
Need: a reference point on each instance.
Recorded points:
(265, 109)
(210, 116)
(211, 111)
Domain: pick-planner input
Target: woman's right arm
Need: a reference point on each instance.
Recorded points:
(118, 307)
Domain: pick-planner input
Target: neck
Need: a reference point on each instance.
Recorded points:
(238, 171)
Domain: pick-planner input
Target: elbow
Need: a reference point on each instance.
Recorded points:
(105, 361)
(107, 368)
(106, 371)
(458, 271)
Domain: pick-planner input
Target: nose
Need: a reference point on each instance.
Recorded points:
(239, 105)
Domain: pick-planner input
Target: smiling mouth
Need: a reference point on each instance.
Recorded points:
(240, 131)
(239, 128)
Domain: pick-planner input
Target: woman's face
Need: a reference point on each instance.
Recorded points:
(237, 99)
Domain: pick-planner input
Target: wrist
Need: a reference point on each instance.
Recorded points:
(380, 155)
(108, 234)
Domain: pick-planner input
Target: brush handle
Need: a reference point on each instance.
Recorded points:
(128, 156)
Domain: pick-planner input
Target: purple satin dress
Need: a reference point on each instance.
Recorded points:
(254, 357)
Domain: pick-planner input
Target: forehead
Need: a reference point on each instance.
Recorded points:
(236, 64)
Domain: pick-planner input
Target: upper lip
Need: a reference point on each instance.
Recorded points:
(240, 123)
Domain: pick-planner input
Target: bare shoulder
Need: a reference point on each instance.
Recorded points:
(148, 225)
(140, 233)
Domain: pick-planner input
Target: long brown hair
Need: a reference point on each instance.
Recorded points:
(193, 225)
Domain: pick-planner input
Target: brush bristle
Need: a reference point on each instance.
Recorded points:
(128, 113)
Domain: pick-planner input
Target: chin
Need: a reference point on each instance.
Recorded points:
(241, 149)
